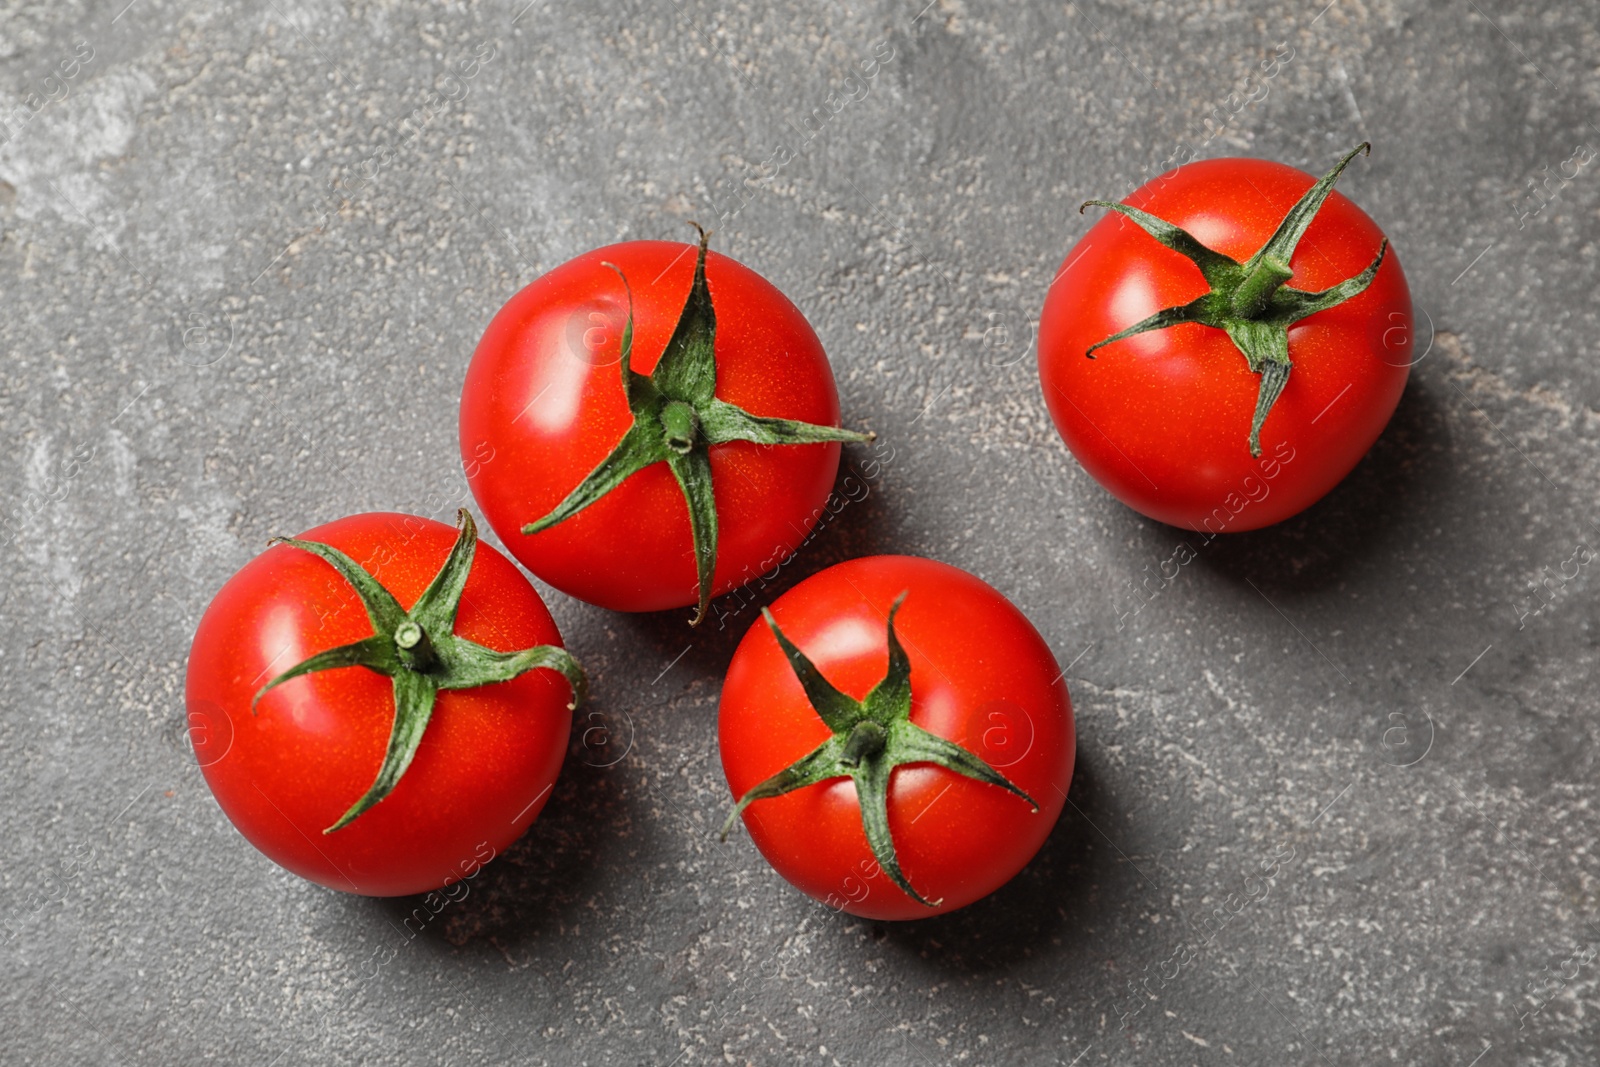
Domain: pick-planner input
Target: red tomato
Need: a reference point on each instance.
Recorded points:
(981, 677)
(543, 405)
(1161, 419)
(486, 762)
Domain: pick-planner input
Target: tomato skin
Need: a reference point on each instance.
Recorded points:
(543, 404)
(1161, 419)
(981, 676)
(282, 775)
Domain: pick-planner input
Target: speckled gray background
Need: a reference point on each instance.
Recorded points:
(205, 343)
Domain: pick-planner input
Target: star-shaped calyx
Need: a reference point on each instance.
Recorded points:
(677, 418)
(1249, 300)
(871, 737)
(420, 652)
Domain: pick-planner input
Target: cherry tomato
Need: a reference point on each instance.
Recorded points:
(313, 744)
(1162, 419)
(981, 678)
(543, 406)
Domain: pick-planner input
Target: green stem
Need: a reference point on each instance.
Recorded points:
(681, 425)
(1255, 291)
(866, 740)
(414, 648)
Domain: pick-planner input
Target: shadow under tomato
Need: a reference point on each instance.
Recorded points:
(541, 881)
(1397, 485)
(1039, 910)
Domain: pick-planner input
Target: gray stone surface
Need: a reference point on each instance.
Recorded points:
(203, 346)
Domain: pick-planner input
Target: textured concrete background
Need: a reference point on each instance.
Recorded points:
(239, 299)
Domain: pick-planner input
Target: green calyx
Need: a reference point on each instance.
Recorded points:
(420, 652)
(1250, 301)
(871, 737)
(677, 419)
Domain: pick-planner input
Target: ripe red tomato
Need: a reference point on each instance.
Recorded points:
(980, 677)
(543, 406)
(1161, 419)
(313, 745)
